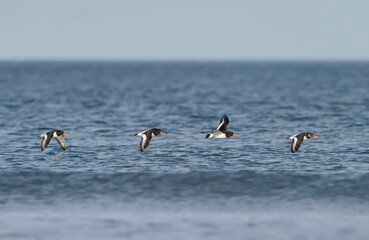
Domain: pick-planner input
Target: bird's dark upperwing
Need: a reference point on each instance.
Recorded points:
(296, 143)
(145, 140)
(223, 123)
(45, 141)
(61, 141)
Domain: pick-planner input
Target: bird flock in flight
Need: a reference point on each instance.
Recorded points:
(146, 135)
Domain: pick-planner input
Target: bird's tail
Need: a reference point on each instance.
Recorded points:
(207, 132)
(207, 136)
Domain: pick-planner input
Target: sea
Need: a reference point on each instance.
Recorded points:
(184, 186)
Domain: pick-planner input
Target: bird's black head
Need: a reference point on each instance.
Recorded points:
(310, 135)
(156, 131)
(228, 134)
(60, 132)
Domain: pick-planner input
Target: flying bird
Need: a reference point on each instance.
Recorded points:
(297, 140)
(221, 131)
(57, 134)
(146, 137)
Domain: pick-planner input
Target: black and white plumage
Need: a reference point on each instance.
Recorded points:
(57, 134)
(221, 131)
(146, 137)
(298, 139)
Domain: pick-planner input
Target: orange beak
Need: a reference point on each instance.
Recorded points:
(163, 133)
(65, 134)
(315, 136)
(235, 135)
(41, 136)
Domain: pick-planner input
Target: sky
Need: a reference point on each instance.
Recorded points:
(184, 30)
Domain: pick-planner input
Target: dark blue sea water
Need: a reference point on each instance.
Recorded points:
(184, 186)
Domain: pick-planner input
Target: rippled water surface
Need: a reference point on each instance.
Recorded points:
(184, 186)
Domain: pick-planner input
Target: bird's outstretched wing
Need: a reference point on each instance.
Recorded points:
(145, 140)
(143, 132)
(296, 143)
(61, 141)
(45, 141)
(223, 123)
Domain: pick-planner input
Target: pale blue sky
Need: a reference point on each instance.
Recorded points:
(188, 29)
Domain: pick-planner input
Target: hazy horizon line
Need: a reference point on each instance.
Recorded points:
(98, 59)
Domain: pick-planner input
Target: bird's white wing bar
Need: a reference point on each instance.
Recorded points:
(223, 123)
(145, 140)
(295, 144)
(45, 141)
(140, 134)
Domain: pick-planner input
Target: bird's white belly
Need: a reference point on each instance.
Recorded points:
(219, 135)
